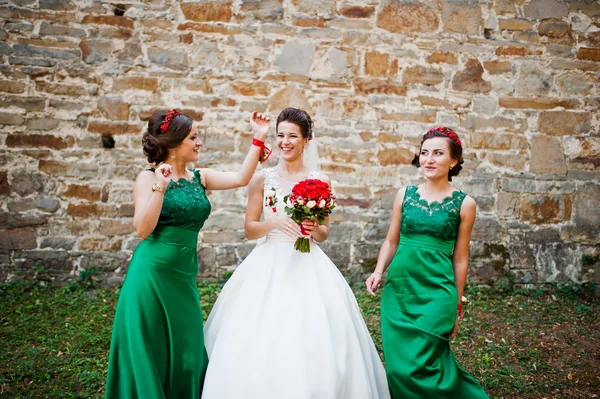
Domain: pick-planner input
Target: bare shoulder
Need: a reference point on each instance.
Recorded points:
(469, 206)
(146, 175)
(400, 194)
(258, 179)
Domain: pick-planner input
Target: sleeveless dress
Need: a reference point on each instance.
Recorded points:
(287, 325)
(419, 301)
(157, 347)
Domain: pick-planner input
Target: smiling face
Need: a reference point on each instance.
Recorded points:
(290, 141)
(189, 148)
(435, 158)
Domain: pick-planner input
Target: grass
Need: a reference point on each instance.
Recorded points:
(54, 342)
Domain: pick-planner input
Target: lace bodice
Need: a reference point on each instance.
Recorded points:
(185, 204)
(438, 219)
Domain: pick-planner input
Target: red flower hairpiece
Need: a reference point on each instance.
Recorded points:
(451, 134)
(168, 118)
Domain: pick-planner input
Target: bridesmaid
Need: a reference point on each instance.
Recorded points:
(428, 247)
(157, 347)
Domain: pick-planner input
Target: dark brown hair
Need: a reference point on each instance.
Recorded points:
(298, 117)
(456, 150)
(156, 143)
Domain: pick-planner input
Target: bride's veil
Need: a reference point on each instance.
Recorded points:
(311, 155)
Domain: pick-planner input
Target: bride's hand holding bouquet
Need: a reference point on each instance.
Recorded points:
(310, 200)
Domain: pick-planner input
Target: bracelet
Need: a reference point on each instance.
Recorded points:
(158, 187)
(265, 151)
(461, 315)
(378, 273)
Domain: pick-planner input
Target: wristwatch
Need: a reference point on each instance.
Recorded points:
(157, 187)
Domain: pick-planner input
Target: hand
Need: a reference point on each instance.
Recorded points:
(163, 174)
(310, 226)
(373, 282)
(286, 225)
(260, 125)
(454, 329)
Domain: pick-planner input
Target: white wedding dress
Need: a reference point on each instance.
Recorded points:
(287, 326)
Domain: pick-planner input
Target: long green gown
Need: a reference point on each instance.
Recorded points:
(157, 347)
(419, 302)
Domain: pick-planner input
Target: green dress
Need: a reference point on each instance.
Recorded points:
(419, 301)
(157, 347)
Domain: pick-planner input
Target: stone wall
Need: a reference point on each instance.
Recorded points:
(517, 79)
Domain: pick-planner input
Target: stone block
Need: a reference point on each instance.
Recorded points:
(442, 57)
(366, 86)
(498, 141)
(462, 17)
(82, 191)
(547, 156)
(25, 182)
(4, 184)
(12, 86)
(17, 239)
(540, 9)
(95, 51)
(562, 123)
(113, 128)
(395, 156)
(114, 20)
(290, 96)
(23, 50)
(50, 29)
(423, 75)
(11, 119)
(545, 209)
(265, 10)
(470, 79)
(173, 59)
(376, 64)
(57, 5)
(43, 124)
(135, 83)
(558, 263)
(113, 107)
(115, 227)
(355, 11)
(296, 57)
(251, 88)
(589, 54)
(574, 83)
(50, 205)
(515, 24)
(586, 215)
(27, 103)
(211, 11)
(508, 205)
(400, 17)
(508, 51)
(65, 243)
(537, 103)
(308, 22)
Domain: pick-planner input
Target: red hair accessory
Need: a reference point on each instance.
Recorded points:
(451, 134)
(168, 118)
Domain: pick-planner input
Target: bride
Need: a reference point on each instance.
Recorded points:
(286, 324)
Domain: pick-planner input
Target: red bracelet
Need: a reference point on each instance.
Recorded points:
(460, 311)
(265, 151)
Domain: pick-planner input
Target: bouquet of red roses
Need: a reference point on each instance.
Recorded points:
(310, 199)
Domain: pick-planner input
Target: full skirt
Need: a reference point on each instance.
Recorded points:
(287, 325)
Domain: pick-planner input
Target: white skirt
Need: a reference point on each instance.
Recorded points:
(287, 325)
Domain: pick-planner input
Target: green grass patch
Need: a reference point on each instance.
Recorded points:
(54, 342)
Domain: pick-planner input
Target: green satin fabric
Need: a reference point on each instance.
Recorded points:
(157, 347)
(418, 311)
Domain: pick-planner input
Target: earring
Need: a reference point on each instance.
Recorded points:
(173, 156)
(451, 167)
